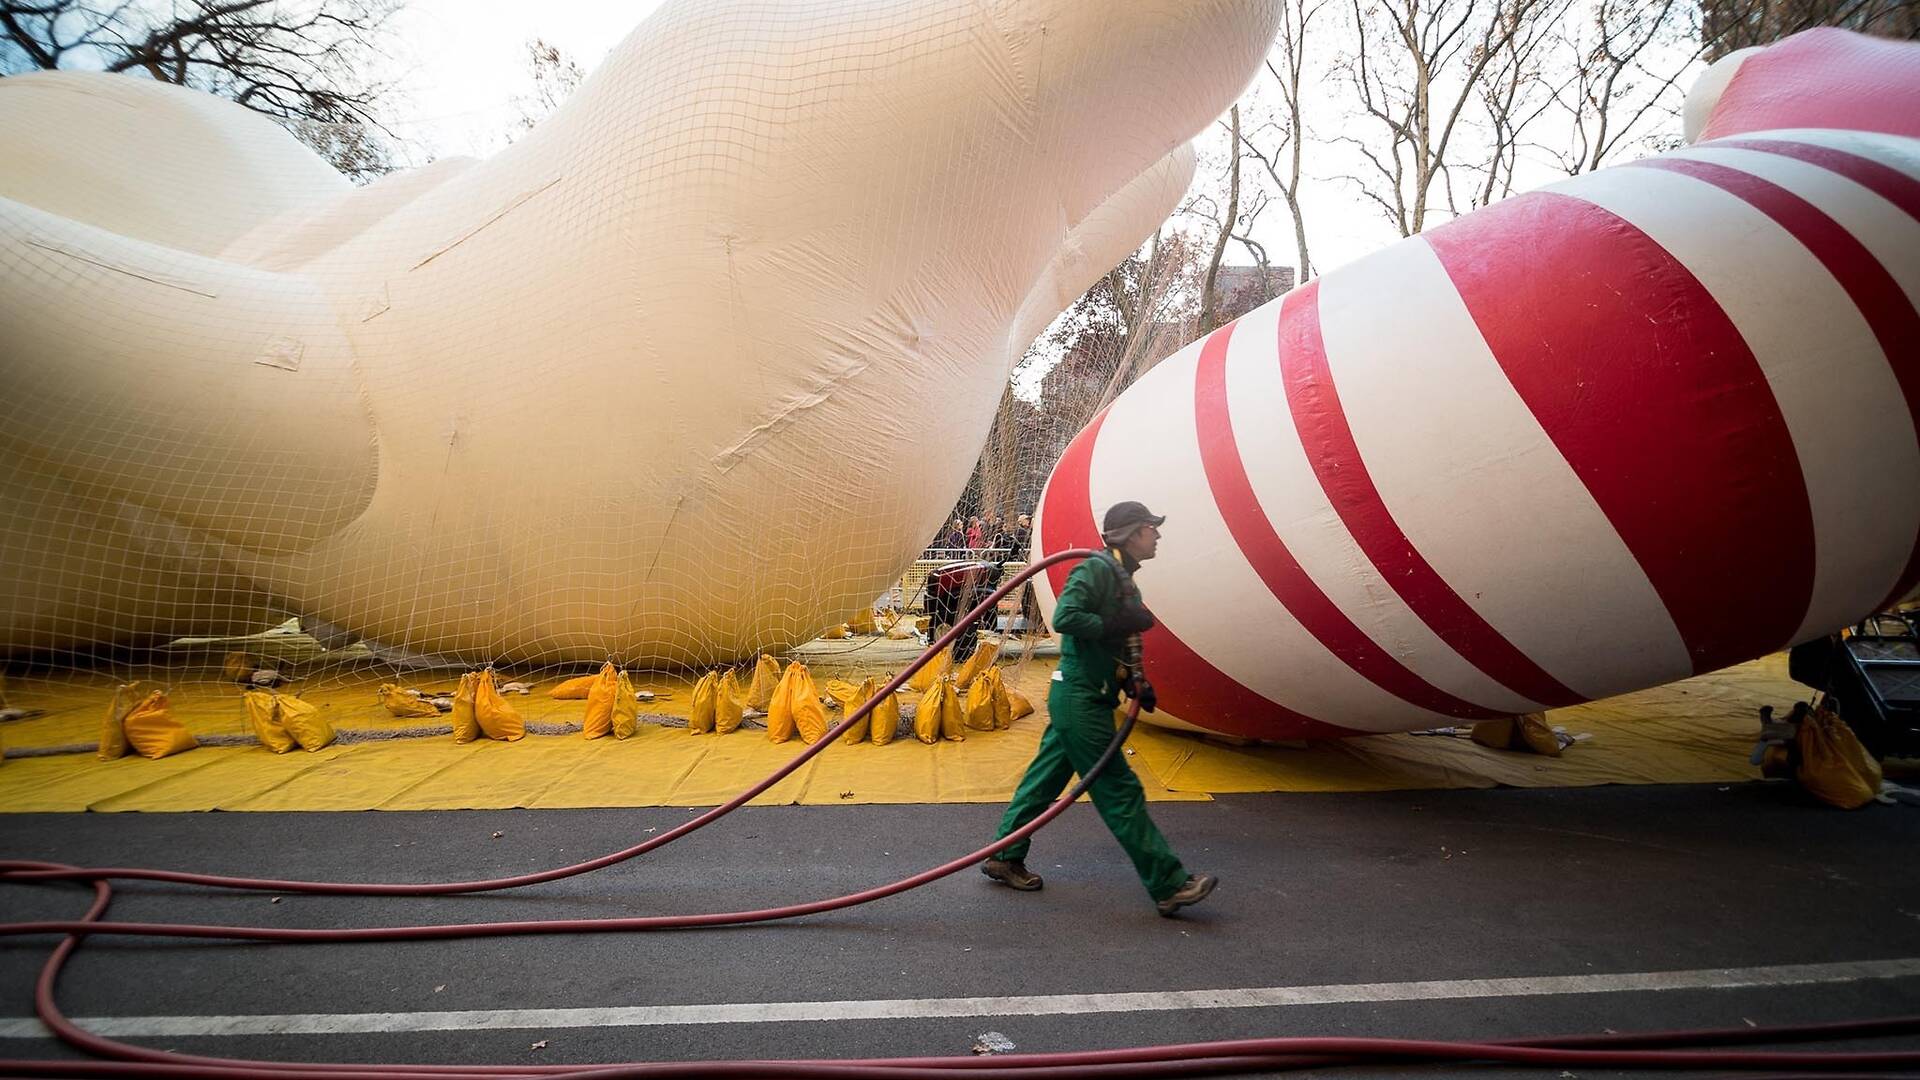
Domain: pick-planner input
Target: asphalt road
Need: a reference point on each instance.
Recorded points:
(1385, 893)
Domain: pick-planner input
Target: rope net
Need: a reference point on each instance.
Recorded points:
(698, 367)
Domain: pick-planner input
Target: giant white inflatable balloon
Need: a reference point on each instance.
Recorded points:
(691, 369)
(1642, 424)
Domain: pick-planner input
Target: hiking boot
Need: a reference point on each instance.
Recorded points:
(1195, 889)
(1012, 873)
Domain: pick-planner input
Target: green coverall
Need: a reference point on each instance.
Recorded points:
(1085, 691)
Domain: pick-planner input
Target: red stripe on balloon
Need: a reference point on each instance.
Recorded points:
(1823, 78)
(1189, 686)
(1343, 475)
(1885, 181)
(1653, 398)
(1269, 556)
(1881, 300)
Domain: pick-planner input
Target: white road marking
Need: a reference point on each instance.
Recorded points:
(1040, 1005)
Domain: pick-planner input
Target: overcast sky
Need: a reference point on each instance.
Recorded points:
(465, 61)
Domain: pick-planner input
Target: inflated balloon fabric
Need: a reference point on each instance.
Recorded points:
(578, 399)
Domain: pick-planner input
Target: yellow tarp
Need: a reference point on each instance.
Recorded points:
(1695, 731)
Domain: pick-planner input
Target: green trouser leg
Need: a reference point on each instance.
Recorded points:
(1080, 728)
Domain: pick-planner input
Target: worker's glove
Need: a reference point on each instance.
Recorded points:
(1140, 690)
(1132, 618)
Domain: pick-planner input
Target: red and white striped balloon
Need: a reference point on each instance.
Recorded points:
(1643, 424)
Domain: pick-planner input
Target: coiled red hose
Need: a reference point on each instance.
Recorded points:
(1649, 1050)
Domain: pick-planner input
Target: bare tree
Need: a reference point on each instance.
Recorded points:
(1009, 475)
(1139, 313)
(360, 151)
(1416, 66)
(307, 63)
(1624, 59)
(1290, 47)
(555, 77)
(1224, 230)
(1222, 296)
(1156, 299)
(1516, 91)
(1736, 24)
(1135, 316)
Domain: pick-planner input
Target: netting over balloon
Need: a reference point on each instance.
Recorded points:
(694, 369)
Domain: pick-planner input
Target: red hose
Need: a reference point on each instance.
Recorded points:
(1192, 1059)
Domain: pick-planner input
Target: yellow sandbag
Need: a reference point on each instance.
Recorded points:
(1528, 733)
(979, 711)
(953, 719)
(598, 722)
(843, 692)
(926, 715)
(861, 622)
(113, 731)
(1018, 706)
(779, 713)
(858, 731)
(153, 732)
(931, 674)
(263, 714)
(726, 705)
(1834, 767)
(809, 716)
(626, 709)
(795, 708)
(1537, 736)
(497, 719)
(401, 703)
(1494, 734)
(766, 677)
(574, 689)
(884, 720)
(979, 662)
(700, 720)
(466, 727)
(901, 630)
(837, 633)
(303, 721)
(1002, 704)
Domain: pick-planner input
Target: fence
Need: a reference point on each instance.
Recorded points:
(911, 593)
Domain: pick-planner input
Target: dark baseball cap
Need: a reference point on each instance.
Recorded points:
(1124, 517)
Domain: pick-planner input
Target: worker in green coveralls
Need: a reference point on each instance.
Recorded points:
(1100, 619)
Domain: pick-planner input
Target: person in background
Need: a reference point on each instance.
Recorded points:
(952, 591)
(1019, 541)
(1100, 618)
(955, 536)
(975, 535)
